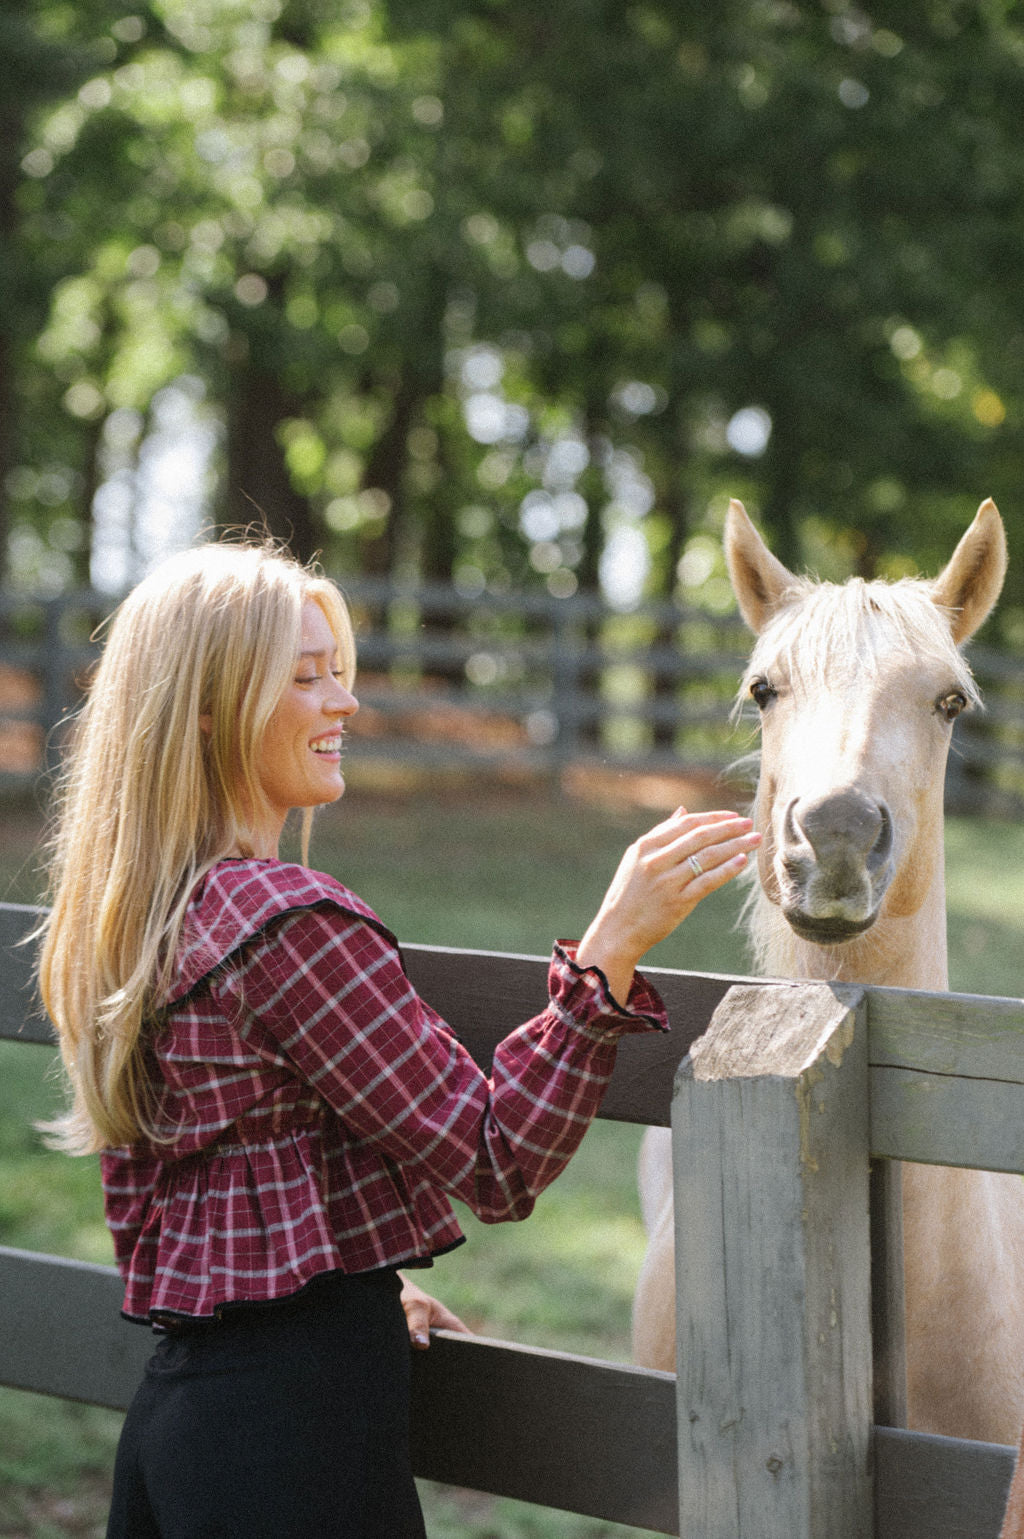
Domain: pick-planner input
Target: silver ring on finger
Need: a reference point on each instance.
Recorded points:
(695, 865)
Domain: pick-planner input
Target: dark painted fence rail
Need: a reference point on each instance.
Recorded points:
(516, 680)
(625, 1444)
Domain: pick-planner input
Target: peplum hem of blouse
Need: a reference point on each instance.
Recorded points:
(253, 1223)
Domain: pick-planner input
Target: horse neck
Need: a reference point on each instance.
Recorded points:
(907, 953)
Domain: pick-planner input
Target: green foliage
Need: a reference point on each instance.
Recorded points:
(449, 240)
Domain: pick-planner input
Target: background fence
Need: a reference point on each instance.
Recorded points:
(513, 682)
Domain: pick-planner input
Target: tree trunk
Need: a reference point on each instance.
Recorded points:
(260, 492)
(10, 153)
(782, 480)
(7, 408)
(589, 679)
(91, 480)
(385, 471)
(665, 685)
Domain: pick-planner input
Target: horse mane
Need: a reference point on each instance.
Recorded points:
(822, 627)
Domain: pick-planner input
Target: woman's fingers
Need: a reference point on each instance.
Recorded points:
(424, 1313)
(699, 862)
(714, 870)
(699, 844)
(660, 880)
(671, 874)
(707, 850)
(682, 823)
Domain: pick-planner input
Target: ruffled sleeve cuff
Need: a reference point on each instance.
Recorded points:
(582, 995)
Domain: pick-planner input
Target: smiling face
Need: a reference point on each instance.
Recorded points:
(299, 761)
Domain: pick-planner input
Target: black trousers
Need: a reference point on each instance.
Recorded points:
(283, 1422)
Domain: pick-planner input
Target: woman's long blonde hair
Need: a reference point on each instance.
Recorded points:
(150, 800)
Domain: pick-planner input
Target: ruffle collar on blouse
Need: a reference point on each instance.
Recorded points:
(239, 898)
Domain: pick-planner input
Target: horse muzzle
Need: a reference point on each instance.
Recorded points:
(835, 863)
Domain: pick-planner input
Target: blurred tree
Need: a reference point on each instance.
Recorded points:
(492, 292)
(46, 53)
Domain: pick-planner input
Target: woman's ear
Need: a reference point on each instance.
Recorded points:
(205, 723)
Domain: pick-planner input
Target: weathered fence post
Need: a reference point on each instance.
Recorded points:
(770, 1137)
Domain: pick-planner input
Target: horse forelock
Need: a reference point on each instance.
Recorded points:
(828, 631)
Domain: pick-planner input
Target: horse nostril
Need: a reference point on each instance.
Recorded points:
(881, 850)
(844, 823)
(791, 834)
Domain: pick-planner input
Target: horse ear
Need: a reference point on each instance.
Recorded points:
(759, 580)
(970, 584)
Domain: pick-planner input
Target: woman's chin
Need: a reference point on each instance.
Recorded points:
(335, 792)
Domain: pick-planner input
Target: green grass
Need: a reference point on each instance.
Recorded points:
(985, 900)
(504, 871)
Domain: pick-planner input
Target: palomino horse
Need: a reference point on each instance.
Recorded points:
(857, 686)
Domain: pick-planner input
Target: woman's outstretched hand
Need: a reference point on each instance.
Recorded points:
(660, 880)
(423, 1314)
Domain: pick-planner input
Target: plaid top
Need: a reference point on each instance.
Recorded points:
(318, 1111)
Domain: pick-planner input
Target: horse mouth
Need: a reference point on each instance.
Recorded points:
(828, 932)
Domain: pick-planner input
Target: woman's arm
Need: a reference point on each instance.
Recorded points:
(330, 993)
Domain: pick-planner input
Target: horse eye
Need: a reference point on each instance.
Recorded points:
(950, 706)
(762, 693)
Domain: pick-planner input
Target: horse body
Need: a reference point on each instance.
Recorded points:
(857, 686)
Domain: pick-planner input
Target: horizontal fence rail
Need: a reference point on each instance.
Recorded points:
(576, 1433)
(513, 681)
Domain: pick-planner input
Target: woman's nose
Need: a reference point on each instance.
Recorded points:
(343, 702)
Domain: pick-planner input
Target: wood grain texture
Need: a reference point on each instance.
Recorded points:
(942, 1119)
(973, 1035)
(772, 1246)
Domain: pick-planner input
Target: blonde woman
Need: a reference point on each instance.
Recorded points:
(280, 1118)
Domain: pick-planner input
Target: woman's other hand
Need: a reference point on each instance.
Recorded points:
(423, 1314)
(660, 880)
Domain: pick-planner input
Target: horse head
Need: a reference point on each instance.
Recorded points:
(857, 686)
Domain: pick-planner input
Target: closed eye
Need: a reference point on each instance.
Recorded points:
(337, 673)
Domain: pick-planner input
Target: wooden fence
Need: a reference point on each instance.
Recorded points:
(512, 681)
(772, 1428)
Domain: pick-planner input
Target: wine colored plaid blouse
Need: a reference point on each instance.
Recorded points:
(318, 1110)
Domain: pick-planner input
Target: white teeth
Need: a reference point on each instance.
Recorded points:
(327, 745)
